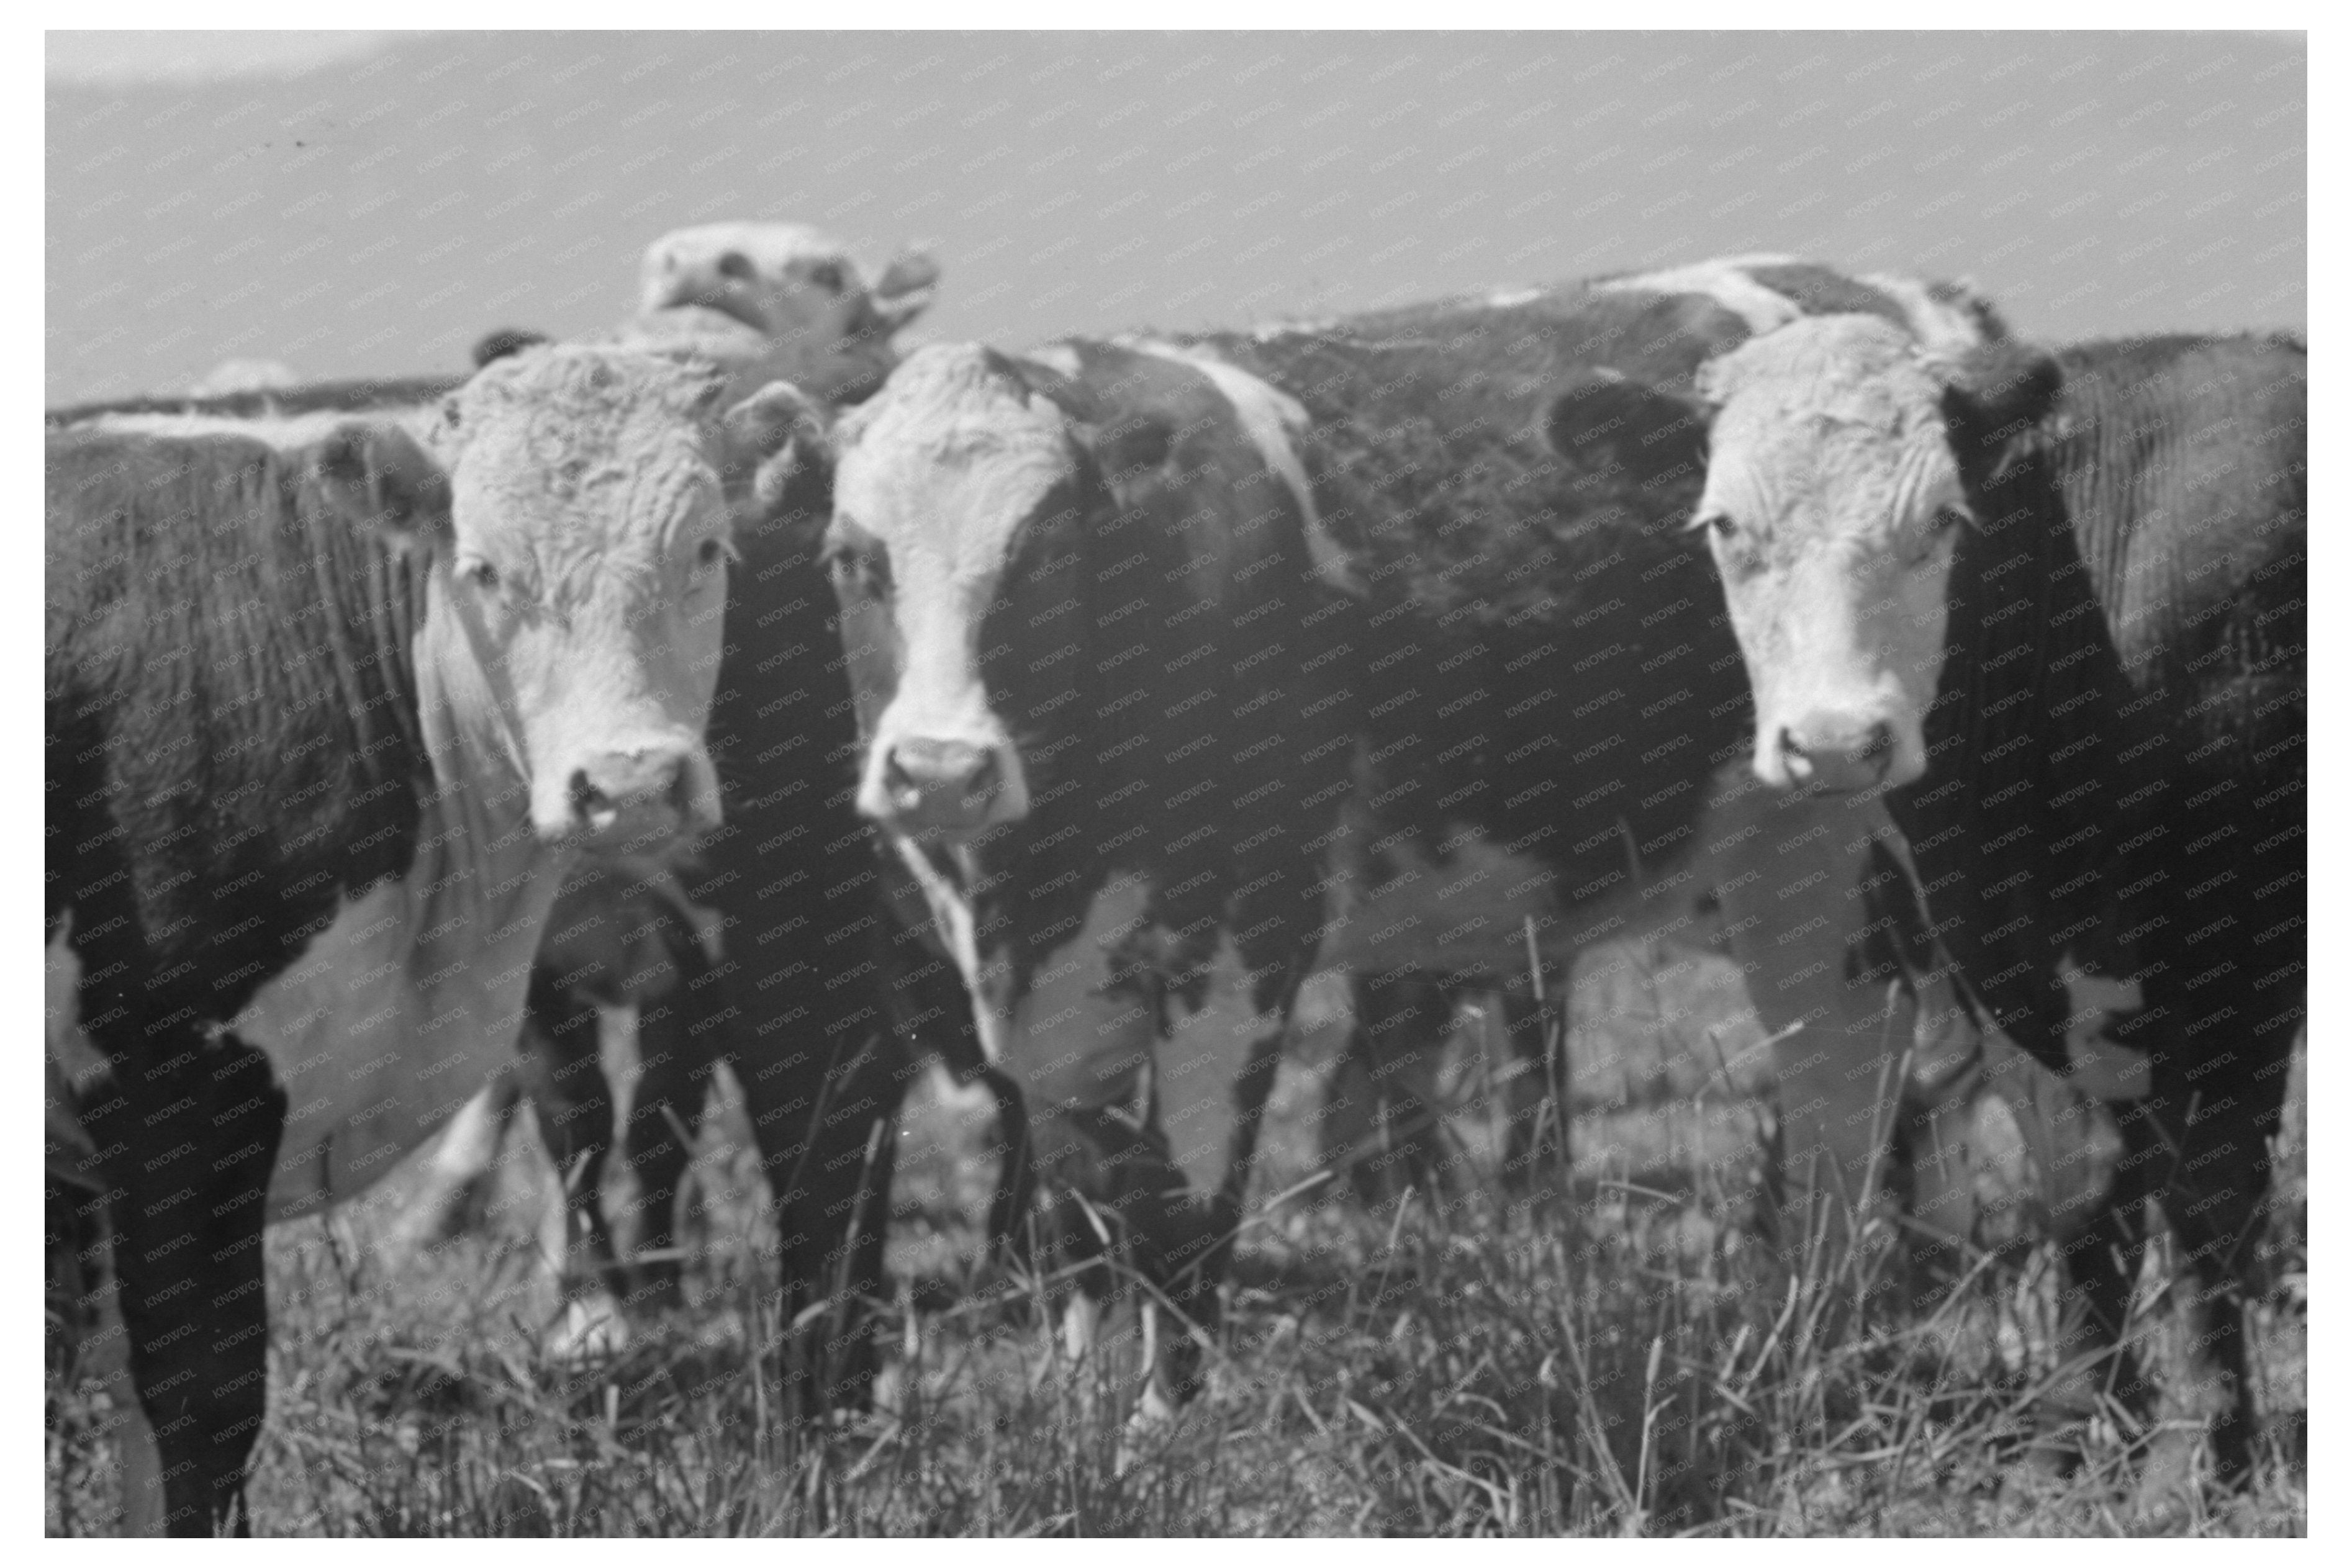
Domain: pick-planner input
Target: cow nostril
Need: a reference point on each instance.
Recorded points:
(982, 781)
(584, 795)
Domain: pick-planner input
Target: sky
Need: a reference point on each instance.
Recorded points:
(370, 204)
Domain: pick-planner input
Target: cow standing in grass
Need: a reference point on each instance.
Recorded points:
(763, 973)
(1121, 616)
(308, 685)
(2051, 607)
(754, 952)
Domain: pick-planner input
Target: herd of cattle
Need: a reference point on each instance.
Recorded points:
(847, 712)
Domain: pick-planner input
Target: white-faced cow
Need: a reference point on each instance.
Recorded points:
(2055, 606)
(755, 950)
(1555, 680)
(1120, 617)
(320, 687)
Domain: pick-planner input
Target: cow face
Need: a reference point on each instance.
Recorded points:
(946, 483)
(785, 282)
(574, 611)
(1833, 505)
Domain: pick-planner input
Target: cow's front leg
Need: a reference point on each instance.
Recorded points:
(187, 1150)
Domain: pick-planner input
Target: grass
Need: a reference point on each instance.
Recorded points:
(1615, 1353)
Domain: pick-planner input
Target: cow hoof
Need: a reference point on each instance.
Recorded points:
(590, 1328)
(1148, 1427)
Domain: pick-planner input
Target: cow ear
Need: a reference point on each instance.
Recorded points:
(772, 438)
(504, 342)
(1604, 425)
(1995, 399)
(907, 287)
(379, 478)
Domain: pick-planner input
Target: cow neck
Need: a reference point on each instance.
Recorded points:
(2011, 827)
(945, 878)
(413, 997)
(478, 858)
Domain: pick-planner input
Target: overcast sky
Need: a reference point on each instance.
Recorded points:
(371, 202)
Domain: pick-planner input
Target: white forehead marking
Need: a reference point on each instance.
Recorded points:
(1269, 416)
(949, 414)
(1847, 394)
(1724, 280)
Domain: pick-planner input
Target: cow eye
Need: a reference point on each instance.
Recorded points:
(709, 553)
(480, 573)
(826, 275)
(1948, 520)
(1719, 524)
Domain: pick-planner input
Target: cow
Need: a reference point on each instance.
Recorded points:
(783, 730)
(2051, 607)
(757, 301)
(747, 290)
(1120, 617)
(1560, 634)
(318, 701)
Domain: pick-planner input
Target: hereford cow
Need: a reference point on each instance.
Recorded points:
(1121, 615)
(752, 952)
(2052, 608)
(758, 300)
(319, 688)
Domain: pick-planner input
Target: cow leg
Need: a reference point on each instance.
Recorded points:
(679, 1039)
(823, 1117)
(558, 1069)
(450, 1179)
(188, 1260)
(1535, 1087)
(1387, 1073)
(2214, 1197)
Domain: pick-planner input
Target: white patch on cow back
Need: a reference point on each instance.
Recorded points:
(1505, 299)
(1724, 280)
(280, 431)
(1270, 417)
(1059, 358)
(1945, 328)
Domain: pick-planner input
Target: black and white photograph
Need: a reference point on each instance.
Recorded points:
(1443, 781)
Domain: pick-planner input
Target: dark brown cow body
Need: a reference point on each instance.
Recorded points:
(2057, 605)
(268, 726)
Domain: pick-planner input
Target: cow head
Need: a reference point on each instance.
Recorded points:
(960, 483)
(575, 605)
(786, 281)
(1833, 504)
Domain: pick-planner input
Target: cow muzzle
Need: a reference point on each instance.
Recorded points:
(945, 786)
(1834, 752)
(636, 800)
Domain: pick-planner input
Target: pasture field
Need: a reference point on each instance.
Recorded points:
(1618, 1352)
